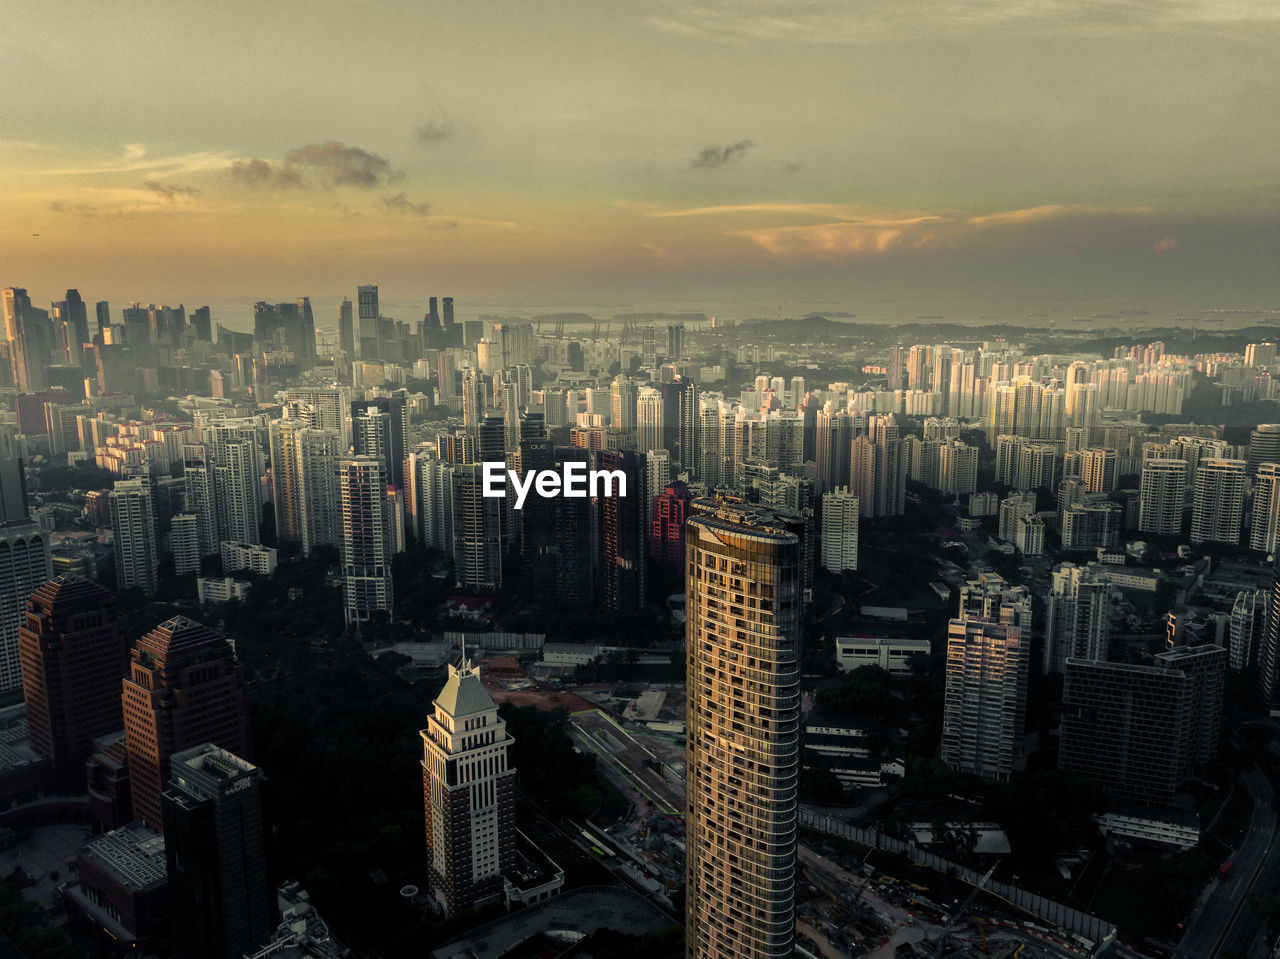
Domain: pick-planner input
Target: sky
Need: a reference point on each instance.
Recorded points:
(645, 152)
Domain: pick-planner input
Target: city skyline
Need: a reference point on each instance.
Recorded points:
(758, 151)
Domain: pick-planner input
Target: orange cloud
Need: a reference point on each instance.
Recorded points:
(1166, 245)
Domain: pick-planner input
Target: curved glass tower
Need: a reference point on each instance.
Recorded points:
(743, 647)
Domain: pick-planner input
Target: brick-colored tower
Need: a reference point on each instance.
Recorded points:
(185, 688)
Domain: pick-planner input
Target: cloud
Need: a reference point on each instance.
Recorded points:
(1166, 245)
(401, 204)
(846, 234)
(256, 172)
(337, 164)
(436, 129)
(77, 209)
(713, 157)
(170, 191)
(874, 21)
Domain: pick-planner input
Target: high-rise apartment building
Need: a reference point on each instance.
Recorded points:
(184, 688)
(200, 497)
(668, 513)
(468, 792)
(367, 538)
(430, 501)
(74, 655)
(1248, 628)
(477, 531)
(985, 701)
(239, 492)
(1264, 532)
(1078, 616)
(1217, 511)
(1161, 494)
(743, 642)
(216, 852)
(184, 543)
(1264, 446)
(840, 516)
(133, 524)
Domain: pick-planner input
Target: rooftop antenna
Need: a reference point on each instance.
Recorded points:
(463, 665)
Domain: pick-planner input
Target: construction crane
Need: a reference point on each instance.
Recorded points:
(944, 945)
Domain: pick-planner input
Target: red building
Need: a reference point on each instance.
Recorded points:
(185, 688)
(669, 510)
(74, 654)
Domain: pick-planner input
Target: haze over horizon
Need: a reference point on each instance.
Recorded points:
(754, 151)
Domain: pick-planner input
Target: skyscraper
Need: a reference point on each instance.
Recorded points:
(74, 655)
(13, 482)
(368, 328)
(743, 640)
(1217, 511)
(367, 538)
(468, 794)
(477, 531)
(215, 848)
(1162, 491)
(985, 701)
(840, 517)
(1141, 730)
(184, 688)
(133, 524)
(199, 494)
(623, 536)
(1264, 446)
(430, 501)
(1264, 533)
(380, 427)
(1078, 616)
(184, 543)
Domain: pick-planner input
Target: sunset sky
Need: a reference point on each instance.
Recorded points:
(646, 151)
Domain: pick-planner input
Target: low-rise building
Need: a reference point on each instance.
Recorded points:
(215, 590)
(122, 886)
(890, 654)
(251, 556)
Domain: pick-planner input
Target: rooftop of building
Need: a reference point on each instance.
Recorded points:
(133, 855)
(64, 594)
(15, 740)
(463, 692)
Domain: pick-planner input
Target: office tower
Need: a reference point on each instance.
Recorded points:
(536, 521)
(306, 334)
(446, 318)
(216, 852)
(184, 688)
(29, 333)
(1140, 731)
(430, 501)
(675, 341)
(366, 538)
(622, 412)
(668, 512)
(346, 329)
(1217, 511)
(13, 481)
(623, 535)
(1161, 494)
(133, 523)
(743, 644)
(202, 324)
(102, 310)
(74, 654)
(985, 702)
(1264, 446)
(575, 536)
(1248, 628)
(380, 427)
(468, 794)
(679, 420)
(76, 315)
(184, 543)
(1078, 615)
(1264, 533)
(477, 531)
(839, 530)
(25, 563)
(367, 326)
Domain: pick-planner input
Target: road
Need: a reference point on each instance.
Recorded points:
(622, 759)
(1225, 918)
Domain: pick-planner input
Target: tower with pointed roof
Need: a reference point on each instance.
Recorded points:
(468, 792)
(184, 688)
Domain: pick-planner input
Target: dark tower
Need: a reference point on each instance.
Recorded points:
(74, 655)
